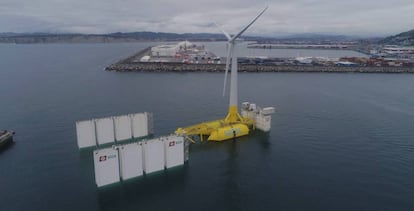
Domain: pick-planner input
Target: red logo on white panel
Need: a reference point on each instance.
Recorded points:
(102, 158)
(172, 143)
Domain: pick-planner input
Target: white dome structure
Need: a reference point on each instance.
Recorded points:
(185, 44)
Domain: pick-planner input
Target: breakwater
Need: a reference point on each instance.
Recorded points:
(133, 64)
(124, 66)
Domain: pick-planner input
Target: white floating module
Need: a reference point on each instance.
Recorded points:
(123, 127)
(130, 156)
(174, 151)
(106, 166)
(140, 125)
(85, 131)
(105, 130)
(132, 160)
(153, 155)
(119, 128)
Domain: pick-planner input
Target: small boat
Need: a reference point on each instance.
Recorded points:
(6, 137)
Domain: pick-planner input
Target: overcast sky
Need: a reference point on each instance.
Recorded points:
(347, 17)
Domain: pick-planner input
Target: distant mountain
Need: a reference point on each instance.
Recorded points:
(167, 36)
(104, 38)
(404, 39)
(310, 38)
(12, 34)
(7, 34)
(159, 36)
(320, 36)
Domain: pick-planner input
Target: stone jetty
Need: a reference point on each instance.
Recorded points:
(179, 67)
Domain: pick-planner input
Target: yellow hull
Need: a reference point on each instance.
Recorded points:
(204, 128)
(229, 132)
(232, 126)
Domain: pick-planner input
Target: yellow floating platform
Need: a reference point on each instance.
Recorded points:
(229, 132)
(217, 130)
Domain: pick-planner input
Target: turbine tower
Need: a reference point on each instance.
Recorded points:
(233, 116)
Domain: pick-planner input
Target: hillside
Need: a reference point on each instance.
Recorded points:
(160, 36)
(106, 38)
(404, 39)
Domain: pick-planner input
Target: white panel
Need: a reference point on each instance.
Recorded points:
(106, 166)
(186, 150)
(123, 128)
(174, 151)
(140, 125)
(263, 123)
(153, 155)
(105, 130)
(131, 160)
(85, 131)
(150, 123)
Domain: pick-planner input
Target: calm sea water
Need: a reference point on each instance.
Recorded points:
(338, 141)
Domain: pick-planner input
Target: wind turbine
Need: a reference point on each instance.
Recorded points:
(234, 125)
(233, 116)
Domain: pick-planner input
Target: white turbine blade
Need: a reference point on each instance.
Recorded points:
(226, 71)
(224, 32)
(245, 28)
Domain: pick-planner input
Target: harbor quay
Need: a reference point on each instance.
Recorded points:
(188, 57)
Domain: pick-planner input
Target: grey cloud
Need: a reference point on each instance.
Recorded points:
(352, 17)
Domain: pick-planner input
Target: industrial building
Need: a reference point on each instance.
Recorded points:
(164, 50)
(182, 52)
(171, 50)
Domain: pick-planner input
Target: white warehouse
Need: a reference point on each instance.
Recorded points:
(164, 50)
(171, 50)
